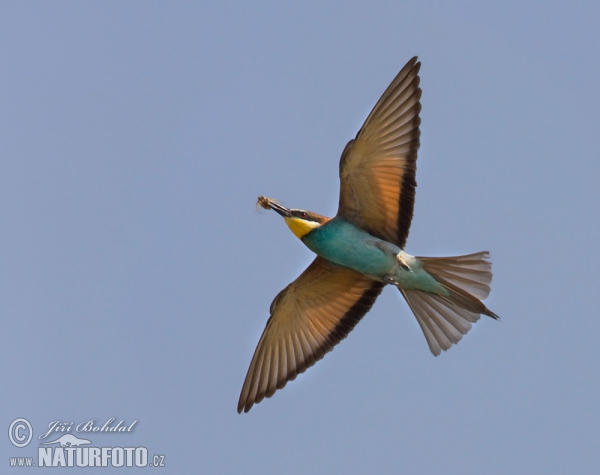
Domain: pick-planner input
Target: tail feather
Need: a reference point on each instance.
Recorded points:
(471, 273)
(445, 319)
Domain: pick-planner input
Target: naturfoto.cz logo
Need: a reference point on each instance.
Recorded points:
(69, 450)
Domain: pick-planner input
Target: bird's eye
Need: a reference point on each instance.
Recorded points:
(300, 214)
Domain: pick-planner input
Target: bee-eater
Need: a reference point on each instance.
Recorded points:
(361, 250)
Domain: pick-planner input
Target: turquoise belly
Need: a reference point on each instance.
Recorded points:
(346, 245)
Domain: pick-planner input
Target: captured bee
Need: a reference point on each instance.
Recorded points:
(263, 202)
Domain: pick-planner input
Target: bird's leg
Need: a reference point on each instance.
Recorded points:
(392, 249)
(402, 262)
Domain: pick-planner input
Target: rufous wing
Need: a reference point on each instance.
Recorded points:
(378, 167)
(308, 318)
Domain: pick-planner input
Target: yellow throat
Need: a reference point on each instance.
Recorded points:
(300, 227)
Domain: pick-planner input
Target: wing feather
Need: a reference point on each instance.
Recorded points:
(378, 167)
(308, 318)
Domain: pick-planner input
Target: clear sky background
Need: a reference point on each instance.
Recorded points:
(136, 273)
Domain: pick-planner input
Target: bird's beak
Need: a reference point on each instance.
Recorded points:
(282, 210)
(268, 203)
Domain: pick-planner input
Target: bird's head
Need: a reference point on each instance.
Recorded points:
(301, 222)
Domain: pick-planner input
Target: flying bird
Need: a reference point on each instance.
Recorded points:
(361, 250)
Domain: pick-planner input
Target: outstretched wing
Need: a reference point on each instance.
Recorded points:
(308, 318)
(378, 167)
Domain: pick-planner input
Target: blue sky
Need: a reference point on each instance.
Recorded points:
(136, 273)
